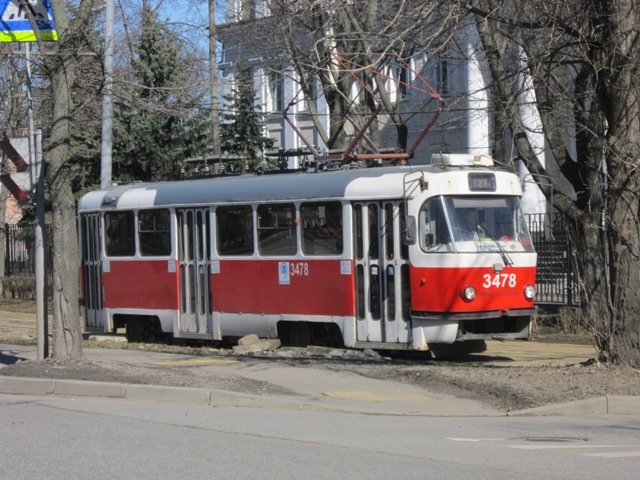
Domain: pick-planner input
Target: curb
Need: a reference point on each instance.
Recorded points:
(604, 405)
(153, 393)
(192, 396)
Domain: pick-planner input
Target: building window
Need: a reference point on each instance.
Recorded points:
(277, 229)
(154, 232)
(442, 76)
(276, 91)
(120, 234)
(305, 100)
(234, 225)
(401, 77)
(321, 228)
(261, 8)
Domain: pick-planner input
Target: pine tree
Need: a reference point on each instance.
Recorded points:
(158, 124)
(242, 128)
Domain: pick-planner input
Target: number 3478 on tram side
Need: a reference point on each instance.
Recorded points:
(389, 258)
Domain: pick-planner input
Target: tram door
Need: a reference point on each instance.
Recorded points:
(193, 263)
(382, 273)
(92, 270)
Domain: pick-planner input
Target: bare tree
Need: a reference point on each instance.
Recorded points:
(349, 49)
(12, 113)
(574, 63)
(583, 61)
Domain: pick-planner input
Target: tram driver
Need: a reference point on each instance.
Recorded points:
(469, 226)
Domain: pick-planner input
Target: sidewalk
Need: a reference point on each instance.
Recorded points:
(303, 387)
(308, 388)
(532, 354)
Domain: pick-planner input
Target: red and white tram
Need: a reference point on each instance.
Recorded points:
(390, 257)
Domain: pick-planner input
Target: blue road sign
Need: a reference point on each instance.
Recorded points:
(15, 25)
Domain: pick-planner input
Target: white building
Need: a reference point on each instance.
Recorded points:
(460, 76)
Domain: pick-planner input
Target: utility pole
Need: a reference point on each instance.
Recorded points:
(37, 187)
(107, 99)
(213, 79)
(42, 243)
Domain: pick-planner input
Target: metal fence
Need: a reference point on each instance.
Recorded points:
(558, 276)
(19, 255)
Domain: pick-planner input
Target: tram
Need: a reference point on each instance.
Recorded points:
(400, 258)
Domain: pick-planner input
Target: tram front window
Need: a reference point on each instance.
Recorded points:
(473, 224)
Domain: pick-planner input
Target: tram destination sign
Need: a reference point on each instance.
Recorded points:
(15, 24)
(482, 182)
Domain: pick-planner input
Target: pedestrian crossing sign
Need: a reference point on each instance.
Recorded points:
(17, 18)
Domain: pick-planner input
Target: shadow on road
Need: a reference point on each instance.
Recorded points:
(7, 358)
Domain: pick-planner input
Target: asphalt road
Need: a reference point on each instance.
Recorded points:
(345, 426)
(78, 438)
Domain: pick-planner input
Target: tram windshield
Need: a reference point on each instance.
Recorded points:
(473, 224)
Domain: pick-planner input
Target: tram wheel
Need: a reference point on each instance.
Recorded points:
(294, 334)
(457, 349)
(134, 330)
(327, 335)
(143, 329)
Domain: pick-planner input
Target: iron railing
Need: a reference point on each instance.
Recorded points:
(558, 276)
(19, 255)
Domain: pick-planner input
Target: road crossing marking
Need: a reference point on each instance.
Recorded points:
(461, 439)
(613, 454)
(568, 446)
(624, 450)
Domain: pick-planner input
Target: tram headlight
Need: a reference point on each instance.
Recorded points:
(530, 292)
(469, 293)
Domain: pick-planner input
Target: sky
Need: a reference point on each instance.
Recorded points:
(189, 18)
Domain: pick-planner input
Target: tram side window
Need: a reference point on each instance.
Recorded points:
(321, 228)
(234, 227)
(277, 229)
(434, 232)
(154, 233)
(120, 234)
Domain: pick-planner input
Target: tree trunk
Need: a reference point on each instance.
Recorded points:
(62, 70)
(612, 280)
(67, 332)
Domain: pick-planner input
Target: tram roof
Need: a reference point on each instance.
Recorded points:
(350, 184)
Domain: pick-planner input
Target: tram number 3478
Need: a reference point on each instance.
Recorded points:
(287, 270)
(499, 280)
(299, 269)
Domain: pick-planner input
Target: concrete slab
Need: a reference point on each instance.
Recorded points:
(157, 393)
(519, 353)
(590, 406)
(26, 386)
(80, 388)
(623, 405)
(604, 405)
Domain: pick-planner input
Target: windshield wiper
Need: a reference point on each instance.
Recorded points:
(483, 233)
(503, 253)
